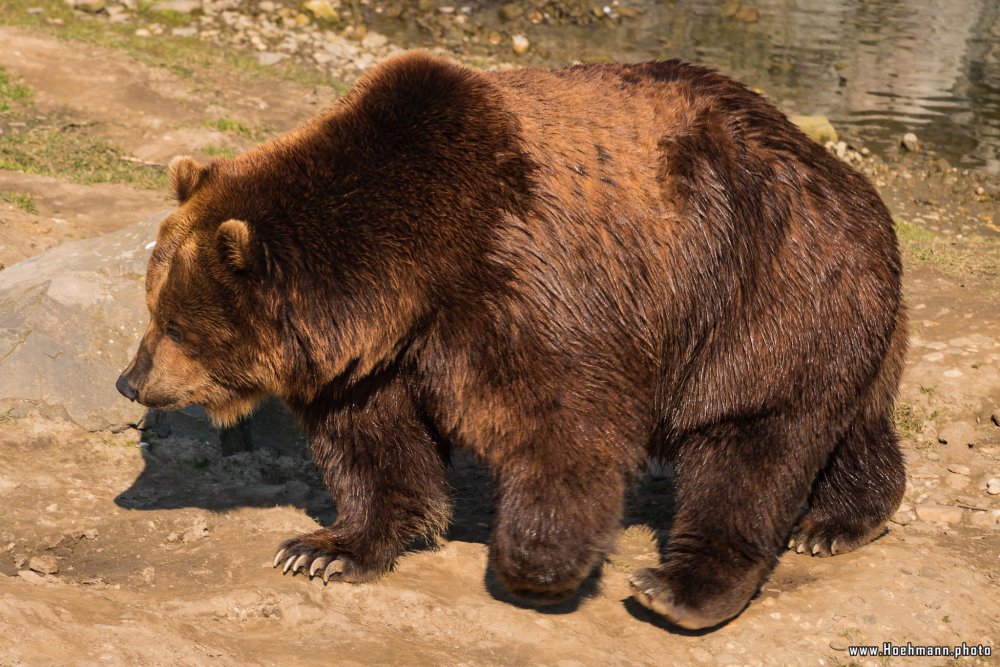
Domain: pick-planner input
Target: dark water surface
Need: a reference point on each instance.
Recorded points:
(877, 68)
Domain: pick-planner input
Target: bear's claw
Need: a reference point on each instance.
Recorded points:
(817, 546)
(295, 561)
(318, 565)
(654, 594)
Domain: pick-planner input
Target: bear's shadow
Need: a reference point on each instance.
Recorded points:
(265, 462)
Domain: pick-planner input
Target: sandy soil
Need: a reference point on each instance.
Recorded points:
(128, 549)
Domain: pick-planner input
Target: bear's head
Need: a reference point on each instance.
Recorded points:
(207, 329)
(317, 257)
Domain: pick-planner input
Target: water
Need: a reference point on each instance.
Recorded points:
(877, 68)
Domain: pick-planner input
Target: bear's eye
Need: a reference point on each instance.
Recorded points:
(173, 332)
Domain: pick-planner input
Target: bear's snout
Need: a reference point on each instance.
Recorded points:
(125, 388)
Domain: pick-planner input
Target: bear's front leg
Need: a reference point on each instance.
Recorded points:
(557, 518)
(387, 475)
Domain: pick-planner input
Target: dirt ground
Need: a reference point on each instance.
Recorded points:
(128, 549)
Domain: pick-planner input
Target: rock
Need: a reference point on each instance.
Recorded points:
(92, 6)
(959, 469)
(957, 482)
(198, 530)
(184, 32)
(322, 10)
(267, 58)
(364, 61)
(31, 577)
(511, 11)
(957, 433)
(266, 6)
(747, 14)
(70, 320)
(939, 514)
(730, 7)
(989, 519)
(817, 128)
(993, 486)
(910, 142)
(520, 44)
(904, 515)
(373, 40)
(44, 564)
(179, 6)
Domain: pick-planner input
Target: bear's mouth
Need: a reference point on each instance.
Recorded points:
(161, 403)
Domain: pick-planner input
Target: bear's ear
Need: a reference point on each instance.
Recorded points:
(233, 240)
(185, 177)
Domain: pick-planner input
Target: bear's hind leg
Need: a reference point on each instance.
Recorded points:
(856, 492)
(740, 486)
(862, 483)
(388, 476)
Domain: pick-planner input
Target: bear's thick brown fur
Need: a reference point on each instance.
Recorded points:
(565, 272)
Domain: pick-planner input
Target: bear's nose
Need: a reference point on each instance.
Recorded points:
(125, 388)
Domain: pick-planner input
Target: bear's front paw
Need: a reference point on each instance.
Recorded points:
(654, 592)
(318, 551)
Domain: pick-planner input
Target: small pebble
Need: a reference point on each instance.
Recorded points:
(910, 142)
(993, 486)
(374, 40)
(959, 469)
(267, 58)
(44, 564)
(939, 514)
(520, 44)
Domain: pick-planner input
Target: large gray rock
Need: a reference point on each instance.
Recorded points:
(70, 320)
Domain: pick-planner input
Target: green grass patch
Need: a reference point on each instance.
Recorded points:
(185, 56)
(167, 17)
(21, 200)
(219, 151)
(75, 156)
(973, 254)
(908, 422)
(237, 128)
(11, 92)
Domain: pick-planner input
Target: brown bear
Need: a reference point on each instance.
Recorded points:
(564, 272)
